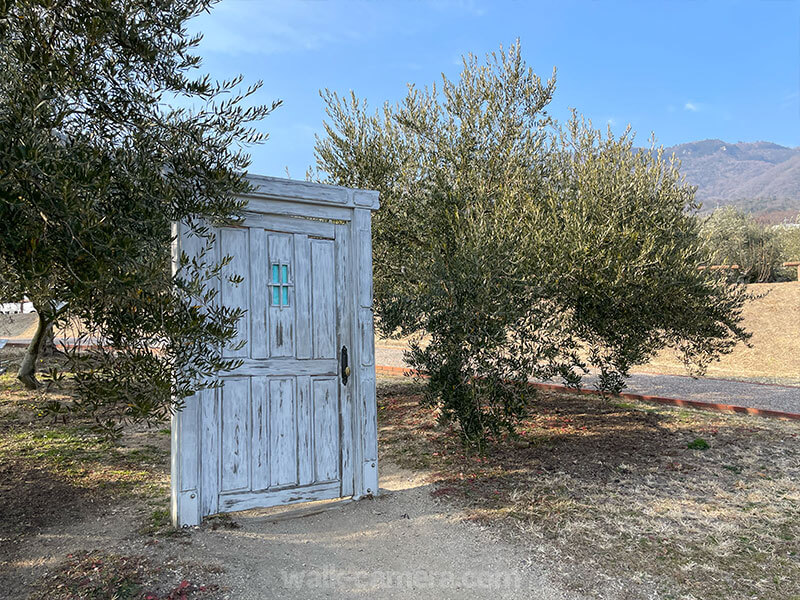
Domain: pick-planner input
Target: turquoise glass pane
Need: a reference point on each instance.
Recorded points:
(276, 298)
(286, 296)
(284, 274)
(274, 273)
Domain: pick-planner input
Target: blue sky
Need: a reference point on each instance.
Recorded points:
(684, 70)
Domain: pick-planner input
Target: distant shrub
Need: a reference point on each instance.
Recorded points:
(732, 237)
(789, 239)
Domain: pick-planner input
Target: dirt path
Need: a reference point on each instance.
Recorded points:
(403, 544)
(21, 326)
(399, 545)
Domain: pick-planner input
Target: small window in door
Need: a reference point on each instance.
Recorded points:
(280, 284)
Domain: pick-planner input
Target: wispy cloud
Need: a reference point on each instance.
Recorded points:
(691, 106)
(790, 100)
(239, 28)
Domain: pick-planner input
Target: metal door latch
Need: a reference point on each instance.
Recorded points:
(345, 366)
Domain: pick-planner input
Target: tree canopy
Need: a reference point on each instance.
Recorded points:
(107, 136)
(510, 246)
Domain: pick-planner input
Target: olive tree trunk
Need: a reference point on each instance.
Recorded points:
(27, 370)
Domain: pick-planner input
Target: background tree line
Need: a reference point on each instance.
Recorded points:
(734, 237)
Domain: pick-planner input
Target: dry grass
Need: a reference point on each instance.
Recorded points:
(100, 576)
(24, 326)
(774, 320)
(18, 325)
(616, 489)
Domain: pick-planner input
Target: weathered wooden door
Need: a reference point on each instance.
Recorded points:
(286, 426)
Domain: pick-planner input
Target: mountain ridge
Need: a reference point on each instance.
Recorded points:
(760, 177)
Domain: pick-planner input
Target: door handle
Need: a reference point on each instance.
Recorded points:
(345, 366)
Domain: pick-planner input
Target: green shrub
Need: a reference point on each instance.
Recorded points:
(698, 444)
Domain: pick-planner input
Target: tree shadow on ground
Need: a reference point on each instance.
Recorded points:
(596, 478)
(34, 499)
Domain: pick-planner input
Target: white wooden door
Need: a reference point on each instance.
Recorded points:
(287, 425)
(273, 434)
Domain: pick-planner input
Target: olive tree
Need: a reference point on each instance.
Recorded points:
(509, 247)
(99, 154)
(733, 237)
(625, 224)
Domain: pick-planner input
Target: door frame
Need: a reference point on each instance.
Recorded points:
(284, 203)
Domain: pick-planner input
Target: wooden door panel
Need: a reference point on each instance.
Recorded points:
(235, 427)
(286, 367)
(248, 500)
(305, 431)
(323, 303)
(259, 284)
(284, 427)
(326, 429)
(281, 317)
(259, 449)
(283, 432)
(303, 292)
(209, 454)
(344, 310)
(234, 242)
(272, 434)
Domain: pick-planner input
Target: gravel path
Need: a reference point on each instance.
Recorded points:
(784, 398)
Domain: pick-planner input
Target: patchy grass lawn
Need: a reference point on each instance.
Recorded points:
(658, 500)
(54, 475)
(49, 469)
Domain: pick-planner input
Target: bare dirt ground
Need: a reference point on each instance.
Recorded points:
(616, 500)
(641, 500)
(82, 519)
(400, 544)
